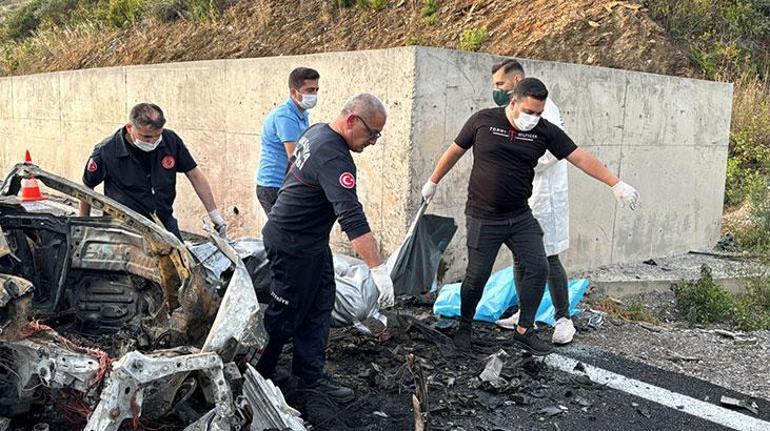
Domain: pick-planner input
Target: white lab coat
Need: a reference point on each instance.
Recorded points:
(550, 197)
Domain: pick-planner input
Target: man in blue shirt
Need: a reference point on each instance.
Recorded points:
(281, 131)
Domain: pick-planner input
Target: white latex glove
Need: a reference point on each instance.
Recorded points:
(626, 195)
(384, 284)
(219, 222)
(428, 190)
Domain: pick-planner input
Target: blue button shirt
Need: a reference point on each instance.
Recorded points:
(286, 123)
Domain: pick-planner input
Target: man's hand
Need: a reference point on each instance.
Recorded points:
(219, 222)
(626, 195)
(384, 284)
(428, 190)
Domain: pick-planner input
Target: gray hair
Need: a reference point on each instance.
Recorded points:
(147, 114)
(365, 105)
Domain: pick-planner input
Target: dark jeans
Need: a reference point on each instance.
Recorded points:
(267, 197)
(302, 298)
(557, 284)
(524, 237)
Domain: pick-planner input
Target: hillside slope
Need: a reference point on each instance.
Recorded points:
(599, 32)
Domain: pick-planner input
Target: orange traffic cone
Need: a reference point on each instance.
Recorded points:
(30, 191)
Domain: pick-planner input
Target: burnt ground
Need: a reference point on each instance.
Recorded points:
(535, 395)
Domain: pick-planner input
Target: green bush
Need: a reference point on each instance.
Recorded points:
(343, 3)
(167, 10)
(472, 39)
(429, 8)
(703, 301)
(371, 4)
(39, 14)
(725, 35)
(122, 13)
(756, 236)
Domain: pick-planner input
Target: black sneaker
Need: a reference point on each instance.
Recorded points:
(280, 376)
(530, 342)
(462, 337)
(327, 385)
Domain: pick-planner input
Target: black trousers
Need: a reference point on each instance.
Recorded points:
(524, 237)
(172, 226)
(302, 298)
(558, 284)
(267, 197)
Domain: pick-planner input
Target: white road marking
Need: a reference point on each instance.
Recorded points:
(683, 403)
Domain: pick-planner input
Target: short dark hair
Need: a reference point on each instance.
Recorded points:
(298, 76)
(147, 114)
(530, 87)
(508, 65)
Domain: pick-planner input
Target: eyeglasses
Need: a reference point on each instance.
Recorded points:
(373, 134)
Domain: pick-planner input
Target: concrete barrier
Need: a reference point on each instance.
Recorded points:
(667, 136)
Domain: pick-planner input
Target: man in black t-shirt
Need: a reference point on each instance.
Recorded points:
(319, 189)
(507, 143)
(138, 165)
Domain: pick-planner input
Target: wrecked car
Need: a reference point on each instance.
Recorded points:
(110, 320)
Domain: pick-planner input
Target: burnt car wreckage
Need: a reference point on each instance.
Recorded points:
(111, 320)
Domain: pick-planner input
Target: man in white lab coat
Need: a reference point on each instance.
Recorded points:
(549, 203)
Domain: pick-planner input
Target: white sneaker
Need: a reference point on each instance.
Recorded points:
(509, 322)
(563, 331)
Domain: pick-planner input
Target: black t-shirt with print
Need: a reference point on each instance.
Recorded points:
(504, 161)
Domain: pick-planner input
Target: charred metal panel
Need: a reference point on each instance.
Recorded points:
(99, 246)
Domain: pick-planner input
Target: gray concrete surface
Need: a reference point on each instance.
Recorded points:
(630, 279)
(667, 136)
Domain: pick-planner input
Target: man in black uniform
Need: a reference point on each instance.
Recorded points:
(138, 165)
(319, 188)
(507, 143)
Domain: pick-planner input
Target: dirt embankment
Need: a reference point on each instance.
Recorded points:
(597, 32)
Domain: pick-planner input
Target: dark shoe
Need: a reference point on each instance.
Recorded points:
(279, 377)
(328, 386)
(530, 342)
(462, 337)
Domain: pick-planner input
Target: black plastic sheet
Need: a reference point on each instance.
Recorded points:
(418, 258)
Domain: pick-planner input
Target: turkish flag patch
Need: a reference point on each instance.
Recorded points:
(168, 162)
(347, 180)
(91, 166)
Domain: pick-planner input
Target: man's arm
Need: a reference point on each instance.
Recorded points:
(592, 166)
(94, 173)
(447, 162)
(85, 209)
(202, 188)
(366, 247)
(290, 146)
(624, 193)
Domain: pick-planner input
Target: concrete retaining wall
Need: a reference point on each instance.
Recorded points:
(667, 136)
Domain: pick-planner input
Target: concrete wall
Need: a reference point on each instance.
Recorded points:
(666, 136)
(217, 107)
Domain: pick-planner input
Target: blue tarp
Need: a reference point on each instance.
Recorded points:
(500, 294)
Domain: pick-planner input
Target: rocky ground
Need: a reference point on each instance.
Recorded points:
(531, 395)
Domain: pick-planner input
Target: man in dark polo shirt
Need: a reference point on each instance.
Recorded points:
(507, 143)
(319, 189)
(138, 165)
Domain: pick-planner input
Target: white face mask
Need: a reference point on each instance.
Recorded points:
(308, 101)
(147, 146)
(526, 122)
